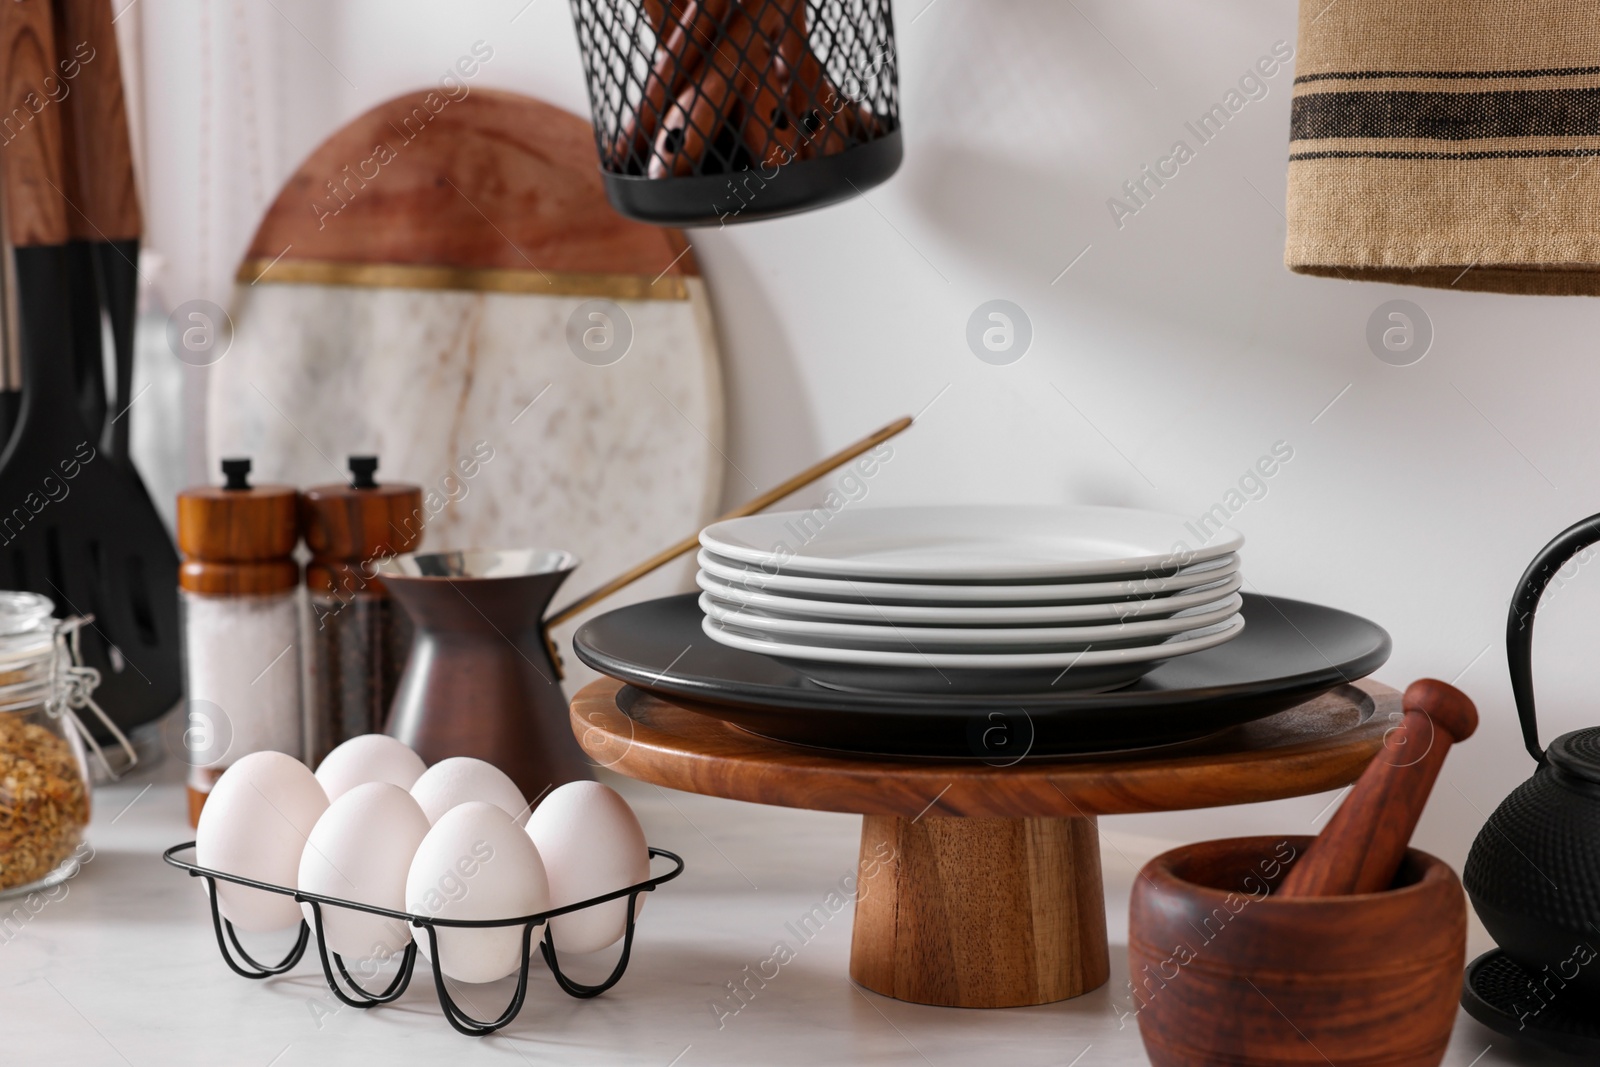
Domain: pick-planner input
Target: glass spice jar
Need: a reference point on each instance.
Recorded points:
(44, 775)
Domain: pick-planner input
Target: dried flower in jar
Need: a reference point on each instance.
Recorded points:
(44, 804)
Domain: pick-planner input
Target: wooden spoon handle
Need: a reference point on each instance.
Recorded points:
(821, 110)
(692, 31)
(749, 507)
(99, 154)
(660, 14)
(692, 124)
(771, 49)
(31, 91)
(1361, 848)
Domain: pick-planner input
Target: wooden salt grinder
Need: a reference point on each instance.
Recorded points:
(237, 541)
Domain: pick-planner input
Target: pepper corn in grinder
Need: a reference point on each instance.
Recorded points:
(360, 638)
(241, 616)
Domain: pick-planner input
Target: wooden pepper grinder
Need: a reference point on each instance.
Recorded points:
(360, 638)
(241, 624)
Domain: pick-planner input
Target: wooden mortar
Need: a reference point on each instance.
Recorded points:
(1225, 975)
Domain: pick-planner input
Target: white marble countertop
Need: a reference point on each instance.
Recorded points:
(123, 969)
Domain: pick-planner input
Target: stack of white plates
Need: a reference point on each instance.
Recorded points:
(969, 598)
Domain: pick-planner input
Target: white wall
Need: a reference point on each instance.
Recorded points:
(1185, 348)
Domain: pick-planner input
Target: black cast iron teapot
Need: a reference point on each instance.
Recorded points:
(1534, 871)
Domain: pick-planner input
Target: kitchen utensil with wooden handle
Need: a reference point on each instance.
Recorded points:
(83, 305)
(35, 210)
(831, 121)
(784, 23)
(690, 31)
(697, 119)
(749, 507)
(10, 357)
(742, 67)
(103, 208)
(76, 527)
(1363, 845)
(88, 360)
(656, 13)
(700, 93)
(88, 363)
(772, 45)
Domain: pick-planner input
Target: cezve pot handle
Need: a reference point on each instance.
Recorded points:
(1519, 623)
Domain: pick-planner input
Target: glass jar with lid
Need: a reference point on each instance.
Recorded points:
(44, 775)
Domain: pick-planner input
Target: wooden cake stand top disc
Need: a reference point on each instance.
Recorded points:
(1322, 744)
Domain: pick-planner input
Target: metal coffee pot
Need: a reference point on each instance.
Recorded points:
(1533, 873)
(481, 680)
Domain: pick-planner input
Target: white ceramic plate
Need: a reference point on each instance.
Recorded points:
(969, 543)
(935, 614)
(965, 639)
(977, 674)
(865, 592)
(1193, 641)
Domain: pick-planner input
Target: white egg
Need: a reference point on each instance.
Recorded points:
(369, 758)
(255, 824)
(460, 779)
(476, 863)
(361, 850)
(591, 844)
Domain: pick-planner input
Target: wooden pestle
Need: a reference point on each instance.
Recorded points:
(1360, 849)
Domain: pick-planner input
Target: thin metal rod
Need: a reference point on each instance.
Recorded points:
(459, 1019)
(360, 998)
(760, 503)
(547, 947)
(226, 936)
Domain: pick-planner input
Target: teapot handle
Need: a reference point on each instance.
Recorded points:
(1519, 623)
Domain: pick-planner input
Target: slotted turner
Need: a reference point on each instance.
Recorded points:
(74, 525)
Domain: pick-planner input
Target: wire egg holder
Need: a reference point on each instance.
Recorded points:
(357, 997)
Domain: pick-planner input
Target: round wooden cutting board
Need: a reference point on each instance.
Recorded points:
(416, 292)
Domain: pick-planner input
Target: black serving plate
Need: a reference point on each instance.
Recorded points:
(1502, 996)
(1289, 652)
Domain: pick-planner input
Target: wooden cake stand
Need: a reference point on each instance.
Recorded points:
(979, 886)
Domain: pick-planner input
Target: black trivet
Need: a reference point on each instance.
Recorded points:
(1502, 996)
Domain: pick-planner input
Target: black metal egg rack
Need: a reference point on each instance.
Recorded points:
(351, 992)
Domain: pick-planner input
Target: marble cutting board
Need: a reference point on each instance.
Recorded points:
(434, 312)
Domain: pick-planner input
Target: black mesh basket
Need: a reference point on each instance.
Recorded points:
(718, 111)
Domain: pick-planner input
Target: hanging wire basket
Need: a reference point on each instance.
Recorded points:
(710, 112)
(349, 991)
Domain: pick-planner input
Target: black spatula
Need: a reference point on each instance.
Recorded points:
(74, 525)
